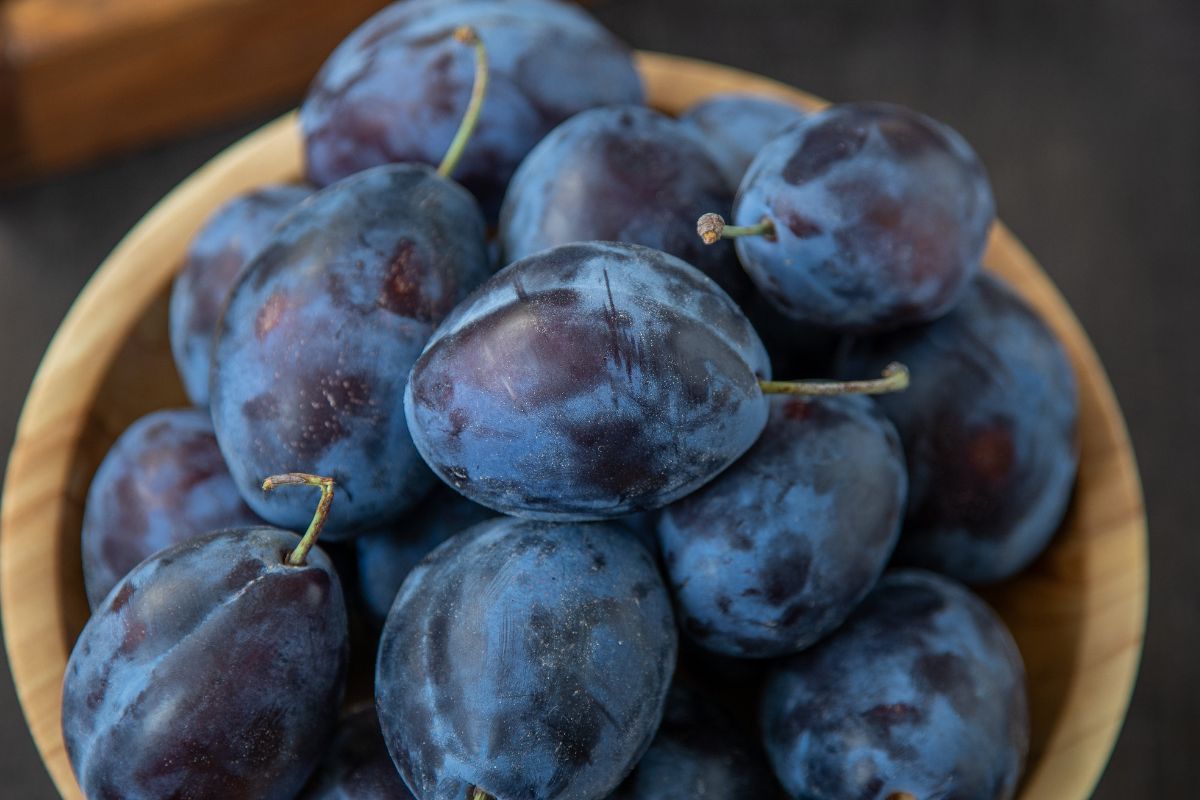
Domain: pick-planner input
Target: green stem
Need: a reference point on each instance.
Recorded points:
(466, 128)
(299, 556)
(712, 228)
(475, 793)
(894, 379)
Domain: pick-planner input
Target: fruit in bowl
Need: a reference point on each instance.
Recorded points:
(1078, 603)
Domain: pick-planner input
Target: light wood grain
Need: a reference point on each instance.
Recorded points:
(1078, 614)
(83, 78)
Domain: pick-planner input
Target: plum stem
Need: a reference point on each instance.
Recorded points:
(712, 229)
(901, 796)
(467, 35)
(894, 379)
(299, 556)
(475, 793)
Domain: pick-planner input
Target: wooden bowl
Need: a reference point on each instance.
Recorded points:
(1078, 614)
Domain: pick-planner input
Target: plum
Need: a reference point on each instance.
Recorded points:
(526, 660)
(736, 126)
(864, 217)
(214, 669)
(395, 88)
(591, 381)
(161, 483)
(315, 345)
(920, 694)
(989, 434)
(621, 174)
(776, 551)
(386, 555)
(215, 258)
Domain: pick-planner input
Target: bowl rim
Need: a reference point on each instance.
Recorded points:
(40, 479)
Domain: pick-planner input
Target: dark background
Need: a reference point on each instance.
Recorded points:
(1087, 113)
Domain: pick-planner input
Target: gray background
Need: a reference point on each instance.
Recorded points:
(1087, 113)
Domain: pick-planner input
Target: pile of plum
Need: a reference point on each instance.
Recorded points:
(588, 541)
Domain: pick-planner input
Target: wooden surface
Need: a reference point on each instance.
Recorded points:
(83, 78)
(1078, 614)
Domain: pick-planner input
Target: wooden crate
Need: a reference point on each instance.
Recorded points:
(85, 78)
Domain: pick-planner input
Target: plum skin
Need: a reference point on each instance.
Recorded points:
(734, 127)
(621, 174)
(921, 691)
(630, 174)
(588, 381)
(880, 218)
(315, 345)
(162, 482)
(397, 87)
(989, 431)
(529, 659)
(386, 555)
(186, 680)
(776, 551)
(215, 258)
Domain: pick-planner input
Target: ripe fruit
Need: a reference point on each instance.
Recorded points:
(988, 432)
(620, 174)
(162, 483)
(526, 659)
(630, 174)
(736, 126)
(920, 694)
(864, 217)
(590, 381)
(386, 555)
(215, 258)
(587, 381)
(318, 337)
(214, 669)
(776, 551)
(395, 89)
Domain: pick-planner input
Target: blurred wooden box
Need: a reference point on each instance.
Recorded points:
(85, 78)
